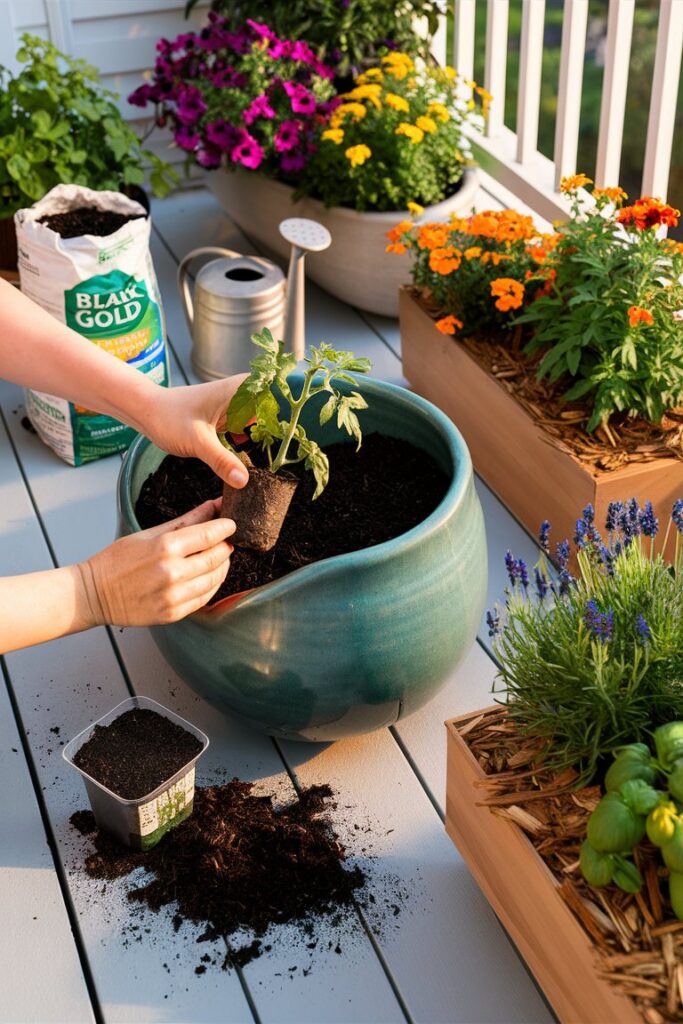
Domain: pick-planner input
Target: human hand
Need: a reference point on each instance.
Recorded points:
(158, 575)
(184, 421)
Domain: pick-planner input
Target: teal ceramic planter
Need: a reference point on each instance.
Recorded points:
(351, 643)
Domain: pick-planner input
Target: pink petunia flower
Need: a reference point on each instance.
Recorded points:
(290, 162)
(186, 138)
(287, 136)
(222, 135)
(208, 156)
(259, 107)
(248, 151)
(191, 105)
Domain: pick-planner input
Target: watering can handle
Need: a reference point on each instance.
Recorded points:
(183, 285)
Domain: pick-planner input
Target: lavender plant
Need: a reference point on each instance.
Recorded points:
(592, 662)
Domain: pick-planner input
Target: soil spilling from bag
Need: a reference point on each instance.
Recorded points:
(88, 220)
(374, 495)
(136, 752)
(238, 863)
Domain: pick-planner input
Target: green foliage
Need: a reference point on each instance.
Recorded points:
(610, 321)
(399, 135)
(601, 664)
(58, 124)
(357, 30)
(255, 401)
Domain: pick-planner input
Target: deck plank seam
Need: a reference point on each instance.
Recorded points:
(365, 925)
(50, 838)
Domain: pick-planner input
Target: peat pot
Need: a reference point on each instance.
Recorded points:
(354, 642)
(356, 268)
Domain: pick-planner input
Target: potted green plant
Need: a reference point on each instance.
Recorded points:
(351, 33)
(259, 509)
(355, 160)
(590, 669)
(138, 766)
(570, 341)
(345, 626)
(58, 124)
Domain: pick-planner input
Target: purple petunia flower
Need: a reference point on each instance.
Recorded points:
(142, 95)
(186, 138)
(222, 135)
(208, 156)
(292, 162)
(287, 136)
(190, 106)
(259, 107)
(248, 151)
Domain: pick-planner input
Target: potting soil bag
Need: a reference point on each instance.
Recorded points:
(105, 288)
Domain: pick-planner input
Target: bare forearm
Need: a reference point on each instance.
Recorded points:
(37, 351)
(41, 606)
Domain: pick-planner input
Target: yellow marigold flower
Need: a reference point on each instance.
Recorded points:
(335, 135)
(573, 182)
(439, 110)
(371, 75)
(416, 209)
(398, 57)
(411, 131)
(356, 110)
(397, 102)
(485, 97)
(357, 155)
(427, 124)
(451, 73)
(614, 195)
(370, 92)
(397, 71)
(448, 324)
(509, 294)
(473, 253)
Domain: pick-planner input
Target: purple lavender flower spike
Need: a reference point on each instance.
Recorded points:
(523, 573)
(588, 514)
(580, 534)
(600, 624)
(543, 535)
(677, 514)
(649, 524)
(562, 554)
(566, 581)
(511, 566)
(614, 512)
(607, 556)
(542, 585)
(493, 622)
(644, 632)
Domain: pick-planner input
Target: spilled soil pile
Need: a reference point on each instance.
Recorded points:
(238, 863)
(374, 495)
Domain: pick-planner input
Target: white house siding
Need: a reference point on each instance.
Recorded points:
(117, 36)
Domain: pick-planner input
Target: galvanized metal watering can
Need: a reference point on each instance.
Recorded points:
(237, 295)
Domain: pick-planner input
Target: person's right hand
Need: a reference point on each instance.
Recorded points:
(159, 575)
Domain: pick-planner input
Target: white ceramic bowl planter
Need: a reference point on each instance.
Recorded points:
(356, 268)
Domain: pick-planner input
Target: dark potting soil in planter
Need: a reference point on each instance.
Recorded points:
(136, 752)
(87, 220)
(238, 863)
(374, 495)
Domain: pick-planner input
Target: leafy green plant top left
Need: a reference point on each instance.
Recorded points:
(255, 407)
(59, 124)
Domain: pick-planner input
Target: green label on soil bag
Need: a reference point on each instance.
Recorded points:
(117, 313)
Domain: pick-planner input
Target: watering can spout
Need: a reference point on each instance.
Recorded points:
(304, 236)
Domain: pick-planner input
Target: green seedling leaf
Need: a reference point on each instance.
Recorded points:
(242, 408)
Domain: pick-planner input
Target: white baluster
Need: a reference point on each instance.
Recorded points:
(569, 93)
(614, 85)
(497, 14)
(660, 125)
(530, 65)
(463, 51)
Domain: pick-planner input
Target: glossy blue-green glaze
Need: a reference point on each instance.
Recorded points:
(354, 642)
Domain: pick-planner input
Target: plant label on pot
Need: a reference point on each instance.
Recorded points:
(138, 766)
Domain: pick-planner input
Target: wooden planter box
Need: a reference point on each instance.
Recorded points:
(523, 893)
(510, 450)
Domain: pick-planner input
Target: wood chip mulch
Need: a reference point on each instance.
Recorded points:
(623, 442)
(637, 939)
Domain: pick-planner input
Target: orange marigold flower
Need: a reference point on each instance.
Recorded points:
(495, 257)
(446, 260)
(573, 182)
(484, 224)
(648, 212)
(614, 195)
(509, 294)
(448, 324)
(636, 314)
(396, 234)
(433, 236)
(398, 247)
(473, 253)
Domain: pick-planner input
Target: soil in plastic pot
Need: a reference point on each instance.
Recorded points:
(259, 509)
(136, 753)
(374, 495)
(88, 220)
(8, 244)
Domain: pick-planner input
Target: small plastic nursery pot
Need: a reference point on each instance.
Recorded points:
(140, 823)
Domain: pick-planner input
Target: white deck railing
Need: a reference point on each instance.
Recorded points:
(512, 159)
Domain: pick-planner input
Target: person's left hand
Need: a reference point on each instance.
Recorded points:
(184, 421)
